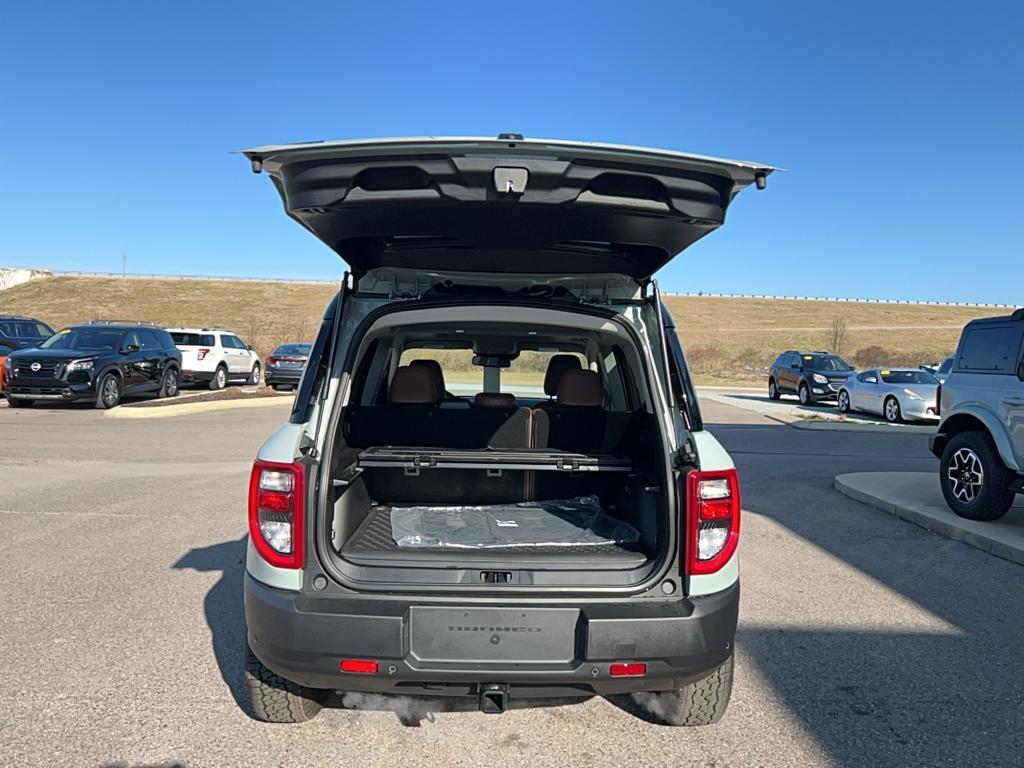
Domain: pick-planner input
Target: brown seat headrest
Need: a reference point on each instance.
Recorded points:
(414, 385)
(494, 400)
(581, 388)
(557, 366)
(435, 368)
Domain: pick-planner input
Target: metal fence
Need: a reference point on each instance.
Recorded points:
(154, 276)
(706, 295)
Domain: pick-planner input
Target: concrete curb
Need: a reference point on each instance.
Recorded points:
(916, 498)
(187, 409)
(796, 416)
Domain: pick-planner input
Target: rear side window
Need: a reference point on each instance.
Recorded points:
(150, 340)
(989, 350)
(946, 365)
(193, 339)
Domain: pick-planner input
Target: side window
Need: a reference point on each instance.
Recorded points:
(149, 340)
(682, 387)
(226, 342)
(131, 339)
(239, 344)
(991, 350)
(868, 377)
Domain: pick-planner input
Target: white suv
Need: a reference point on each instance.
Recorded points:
(215, 357)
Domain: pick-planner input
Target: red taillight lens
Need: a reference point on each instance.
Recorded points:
(636, 669)
(359, 666)
(271, 361)
(277, 512)
(712, 520)
(202, 353)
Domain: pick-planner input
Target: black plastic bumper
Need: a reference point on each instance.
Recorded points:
(274, 376)
(56, 391)
(196, 377)
(304, 638)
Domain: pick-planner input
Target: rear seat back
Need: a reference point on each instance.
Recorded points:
(578, 419)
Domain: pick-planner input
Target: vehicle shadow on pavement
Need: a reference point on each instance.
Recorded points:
(225, 613)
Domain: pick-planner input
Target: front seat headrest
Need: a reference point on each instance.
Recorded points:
(435, 368)
(414, 385)
(581, 388)
(494, 400)
(557, 366)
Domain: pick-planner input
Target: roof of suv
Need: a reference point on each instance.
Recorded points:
(200, 330)
(1017, 316)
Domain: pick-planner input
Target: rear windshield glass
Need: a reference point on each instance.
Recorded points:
(989, 349)
(826, 363)
(92, 339)
(293, 350)
(908, 377)
(461, 377)
(192, 339)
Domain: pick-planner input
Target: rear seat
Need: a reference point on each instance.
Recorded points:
(577, 415)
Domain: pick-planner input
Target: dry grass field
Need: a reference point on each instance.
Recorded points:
(726, 339)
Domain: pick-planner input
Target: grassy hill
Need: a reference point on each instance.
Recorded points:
(726, 339)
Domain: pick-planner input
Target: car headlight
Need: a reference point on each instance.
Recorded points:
(79, 365)
(819, 379)
(912, 395)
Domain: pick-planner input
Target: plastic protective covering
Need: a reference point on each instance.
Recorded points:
(578, 522)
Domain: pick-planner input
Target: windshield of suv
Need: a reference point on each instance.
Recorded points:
(91, 339)
(293, 350)
(908, 377)
(826, 363)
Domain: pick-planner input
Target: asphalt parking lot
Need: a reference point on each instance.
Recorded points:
(863, 639)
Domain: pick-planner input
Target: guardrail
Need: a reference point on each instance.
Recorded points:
(709, 295)
(157, 276)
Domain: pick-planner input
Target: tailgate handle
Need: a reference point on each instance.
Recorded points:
(511, 181)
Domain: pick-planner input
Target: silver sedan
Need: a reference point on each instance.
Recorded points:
(895, 394)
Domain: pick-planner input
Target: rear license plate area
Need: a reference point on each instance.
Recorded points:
(493, 635)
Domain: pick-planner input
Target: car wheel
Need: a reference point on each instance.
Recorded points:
(891, 410)
(702, 702)
(843, 401)
(805, 394)
(108, 394)
(254, 375)
(19, 403)
(773, 390)
(169, 387)
(276, 700)
(974, 480)
(220, 378)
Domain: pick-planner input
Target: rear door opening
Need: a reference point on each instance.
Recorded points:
(482, 446)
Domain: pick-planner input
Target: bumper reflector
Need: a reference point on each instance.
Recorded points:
(634, 669)
(359, 666)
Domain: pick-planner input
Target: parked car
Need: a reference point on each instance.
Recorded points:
(215, 357)
(399, 542)
(17, 332)
(980, 441)
(286, 364)
(4, 352)
(896, 394)
(811, 376)
(942, 371)
(102, 362)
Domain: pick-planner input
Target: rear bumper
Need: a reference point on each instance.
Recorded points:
(282, 376)
(304, 638)
(196, 377)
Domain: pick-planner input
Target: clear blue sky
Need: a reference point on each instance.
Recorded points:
(901, 125)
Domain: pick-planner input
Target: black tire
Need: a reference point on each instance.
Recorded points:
(773, 390)
(109, 391)
(843, 401)
(805, 394)
(254, 375)
(169, 387)
(994, 498)
(220, 378)
(699, 703)
(276, 700)
(19, 403)
(891, 411)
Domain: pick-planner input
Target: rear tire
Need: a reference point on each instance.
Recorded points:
(169, 385)
(974, 480)
(109, 392)
(254, 375)
(843, 401)
(19, 403)
(276, 700)
(773, 390)
(702, 702)
(891, 411)
(220, 378)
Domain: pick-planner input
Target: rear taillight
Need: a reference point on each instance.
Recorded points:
(271, 361)
(276, 512)
(201, 353)
(712, 520)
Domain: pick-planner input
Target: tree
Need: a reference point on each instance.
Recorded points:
(835, 342)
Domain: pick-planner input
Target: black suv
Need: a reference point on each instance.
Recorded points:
(18, 332)
(102, 362)
(811, 376)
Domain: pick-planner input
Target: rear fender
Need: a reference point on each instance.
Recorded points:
(976, 417)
